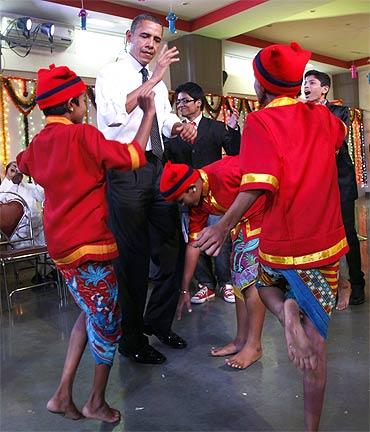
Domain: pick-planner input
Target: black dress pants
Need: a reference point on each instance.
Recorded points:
(145, 226)
(353, 257)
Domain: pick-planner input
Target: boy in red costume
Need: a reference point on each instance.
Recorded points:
(210, 191)
(288, 154)
(69, 160)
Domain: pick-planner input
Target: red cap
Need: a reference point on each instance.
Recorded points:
(279, 68)
(175, 179)
(56, 85)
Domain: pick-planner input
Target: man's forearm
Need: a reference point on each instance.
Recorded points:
(131, 100)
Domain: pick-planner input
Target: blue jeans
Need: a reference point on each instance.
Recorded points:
(213, 270)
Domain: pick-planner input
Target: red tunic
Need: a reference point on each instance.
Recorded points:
(70, 162)
(289, 149)
(221, 184)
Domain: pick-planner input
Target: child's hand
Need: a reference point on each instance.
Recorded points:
(146, 101)
(184, 300)
(232, 119)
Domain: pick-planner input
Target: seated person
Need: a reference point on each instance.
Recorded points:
(33, 195)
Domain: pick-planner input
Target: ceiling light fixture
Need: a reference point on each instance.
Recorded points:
(48, 29)
(25, 24)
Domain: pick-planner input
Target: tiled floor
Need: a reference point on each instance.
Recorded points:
(192, 391)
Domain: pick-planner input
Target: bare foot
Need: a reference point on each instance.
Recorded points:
(231, 348)
(64, 407)
(344, 293)
(245, 357)
(103, 413)
(300, 350)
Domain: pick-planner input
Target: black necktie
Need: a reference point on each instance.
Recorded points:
(154, 132)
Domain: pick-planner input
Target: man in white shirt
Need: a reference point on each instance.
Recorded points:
(33, 194)
(144, 224)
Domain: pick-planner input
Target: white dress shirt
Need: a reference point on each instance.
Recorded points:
(33, 194)
(113, 83)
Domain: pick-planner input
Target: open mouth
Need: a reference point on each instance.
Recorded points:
(307, 93)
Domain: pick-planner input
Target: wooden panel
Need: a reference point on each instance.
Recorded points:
(200, 62)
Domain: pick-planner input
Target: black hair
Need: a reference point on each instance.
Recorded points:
(323, 77)
(143, 17)
(60, 109)
(192, 89)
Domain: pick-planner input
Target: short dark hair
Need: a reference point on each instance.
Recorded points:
(323, 77)
(143, 17)
(59, 109)
(192, 89)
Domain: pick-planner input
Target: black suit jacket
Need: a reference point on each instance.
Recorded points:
(207, 148)
(346, 170)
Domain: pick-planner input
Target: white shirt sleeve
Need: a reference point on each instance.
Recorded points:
(110, 98)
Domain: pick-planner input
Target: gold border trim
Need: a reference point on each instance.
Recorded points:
(193, 236)
(87, 250)
(204, 177)
(134, 155)
(281, 101)
(305, 259)
(58, 119)
(260, 178)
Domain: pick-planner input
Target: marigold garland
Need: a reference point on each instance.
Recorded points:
(216, 106)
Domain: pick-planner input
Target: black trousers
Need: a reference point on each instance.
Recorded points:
(145, 226)
(353, 257)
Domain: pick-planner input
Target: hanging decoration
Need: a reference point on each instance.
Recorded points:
(356, 146)
(83, 15)
(353, 70)
(171, 18)
(4, 129)
(20, 93)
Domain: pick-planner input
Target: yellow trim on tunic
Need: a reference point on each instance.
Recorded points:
(193, 236)
(87, 250)
(208, 194)
(281, 101)
(205, 180)
(58, 119)
(248, 231)
(260, 178)
(135, 158)
(305, 259)
(215, 204)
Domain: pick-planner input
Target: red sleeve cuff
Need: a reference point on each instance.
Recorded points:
(252, 181)
(137, 155)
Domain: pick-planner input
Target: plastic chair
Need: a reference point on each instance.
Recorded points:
(15, 221)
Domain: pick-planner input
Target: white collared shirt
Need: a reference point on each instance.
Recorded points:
(34, 196)
(113, 83)
(196, 120)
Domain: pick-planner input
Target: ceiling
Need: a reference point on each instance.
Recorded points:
(336, 31)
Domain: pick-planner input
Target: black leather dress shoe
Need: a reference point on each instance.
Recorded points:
(357, 298)
(171, 339)
(147, 355)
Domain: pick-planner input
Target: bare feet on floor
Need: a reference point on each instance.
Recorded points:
(103, 413)
(245, 357)
(300, 350)
(344, 293)
(231, 348)
(64, 407)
